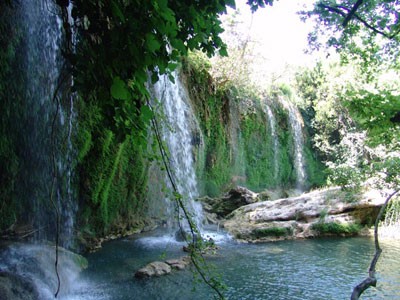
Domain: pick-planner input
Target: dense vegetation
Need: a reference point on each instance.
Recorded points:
(351, 107)
(113, 114)
(238, 138)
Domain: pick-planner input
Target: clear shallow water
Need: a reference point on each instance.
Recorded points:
(310, 269)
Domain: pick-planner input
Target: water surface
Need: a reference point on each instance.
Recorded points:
(306, 269)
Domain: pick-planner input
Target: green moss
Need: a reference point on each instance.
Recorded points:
(12, 106)
(238, 142)
(258, 151)
(112, 173)
(315, 168)
(336, 228)
(272, 232)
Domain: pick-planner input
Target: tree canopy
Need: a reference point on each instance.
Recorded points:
(369, 29)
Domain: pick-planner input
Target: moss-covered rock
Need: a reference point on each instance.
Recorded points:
(314, 214)
(334, 228)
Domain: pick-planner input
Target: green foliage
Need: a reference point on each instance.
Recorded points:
(344, 176)
(256, 4)
(112, 174)
(369, 31)
(254, 133)
(334, 134)
(374, 107)
(120, 41)
(238, 142)
(336, 228)
(211, 108)
(322, 215)
(258, 151)
(315, 169)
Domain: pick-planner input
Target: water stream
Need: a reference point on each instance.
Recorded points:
(275, 143)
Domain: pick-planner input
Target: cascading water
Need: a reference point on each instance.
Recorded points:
(43, 130)
(177, 133)
(275, 143)
(55, 116)
(28, 271)
(48, 148)
(296, 125)
(66, 193)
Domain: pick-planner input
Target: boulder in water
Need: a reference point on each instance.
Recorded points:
(156, 268)
(180, 263)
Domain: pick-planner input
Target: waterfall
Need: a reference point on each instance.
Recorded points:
(296, 125)
(42, 122)
(237, 153)
(275, 146)
(46, 124)
(178, 135)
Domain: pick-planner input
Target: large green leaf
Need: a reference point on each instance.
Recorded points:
(119, 90)
(152, 42)
(117, 11)
(146, 114)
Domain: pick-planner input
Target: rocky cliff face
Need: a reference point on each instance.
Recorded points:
(325, 212)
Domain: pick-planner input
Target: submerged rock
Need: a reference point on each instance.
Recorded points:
(294, 217)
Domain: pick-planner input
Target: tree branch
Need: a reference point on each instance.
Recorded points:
(340, 11)
(371, 279)
(351, 13)
(332, 9)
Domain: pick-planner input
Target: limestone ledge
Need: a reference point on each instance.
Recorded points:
(293, 217)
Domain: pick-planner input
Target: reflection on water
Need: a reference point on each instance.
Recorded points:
(309, 269)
